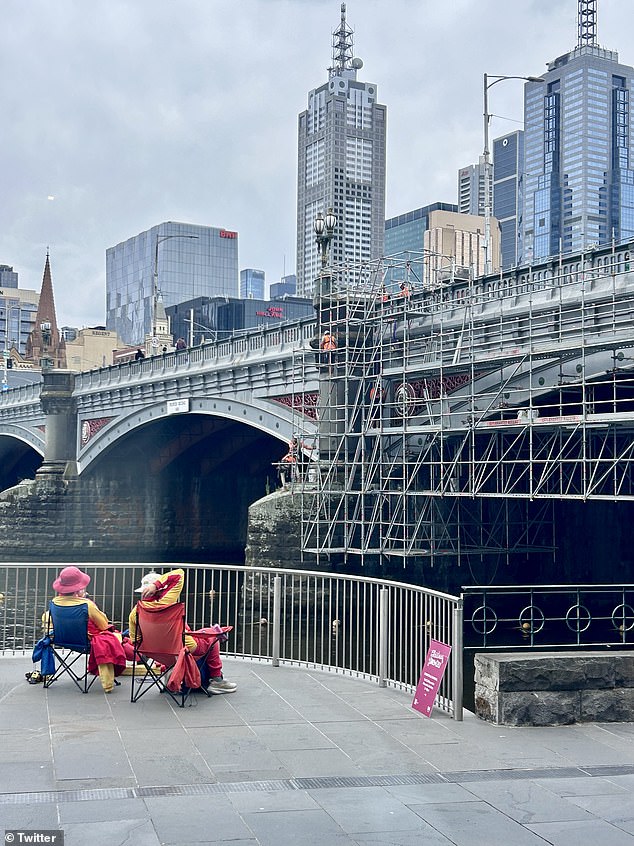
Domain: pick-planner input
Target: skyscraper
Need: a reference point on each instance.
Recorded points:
(341, 165)
(508, 165)
(471, 187)
(252, 284)
(173, 261)
(578, 176)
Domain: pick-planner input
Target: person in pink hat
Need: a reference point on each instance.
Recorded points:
(107, 656)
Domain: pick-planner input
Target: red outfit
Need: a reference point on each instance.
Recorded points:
(169, 588)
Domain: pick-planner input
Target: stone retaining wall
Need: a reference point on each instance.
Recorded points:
(554, 688)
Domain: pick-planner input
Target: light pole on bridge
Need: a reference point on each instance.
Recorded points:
(489, 82)
(155, 279)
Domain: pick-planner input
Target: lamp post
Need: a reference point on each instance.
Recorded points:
(324, 232)
(489, 82)
(192, 323)
(155, 286)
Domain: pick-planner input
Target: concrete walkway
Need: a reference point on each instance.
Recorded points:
(302, 757)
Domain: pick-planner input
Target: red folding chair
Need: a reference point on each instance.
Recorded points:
(159, 644)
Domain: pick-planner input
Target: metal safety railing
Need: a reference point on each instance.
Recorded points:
(549, 616)
(368, 628)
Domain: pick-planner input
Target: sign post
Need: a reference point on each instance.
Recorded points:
(431, 677)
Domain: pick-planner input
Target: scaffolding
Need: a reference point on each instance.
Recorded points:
(453, 416)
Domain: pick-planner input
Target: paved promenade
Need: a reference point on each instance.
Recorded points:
(300, 758)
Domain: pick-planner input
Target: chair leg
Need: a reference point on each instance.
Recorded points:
(66, 666)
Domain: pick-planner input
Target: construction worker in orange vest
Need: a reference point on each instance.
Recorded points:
(328, 342)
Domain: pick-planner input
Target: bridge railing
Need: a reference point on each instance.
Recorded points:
(255, 341)
(369, 628)
(22, 395)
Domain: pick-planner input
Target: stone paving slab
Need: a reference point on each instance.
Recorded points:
(300, 756)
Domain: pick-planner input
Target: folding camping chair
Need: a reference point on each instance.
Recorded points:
(68, 631)
(160, 640)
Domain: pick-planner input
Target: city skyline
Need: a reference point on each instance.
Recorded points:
(127, 118)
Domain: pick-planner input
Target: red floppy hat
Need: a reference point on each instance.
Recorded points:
(70, 580)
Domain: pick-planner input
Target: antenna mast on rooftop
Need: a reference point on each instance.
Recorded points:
(587, 23)
(342, 43)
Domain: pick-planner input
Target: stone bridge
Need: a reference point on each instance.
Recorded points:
(507, 389)
(265, 381)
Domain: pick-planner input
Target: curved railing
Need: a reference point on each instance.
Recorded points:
(370, 628)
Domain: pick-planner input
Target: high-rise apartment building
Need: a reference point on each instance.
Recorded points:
(341, 165)
(471, 189)
(172, 262)
(578, 168)
(252, 284)
(455, 247)
(17, 311)
(508, 165)
(435, 242)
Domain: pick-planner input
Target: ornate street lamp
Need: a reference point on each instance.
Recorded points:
(324, 232)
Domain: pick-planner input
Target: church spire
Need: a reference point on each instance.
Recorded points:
(44, 343)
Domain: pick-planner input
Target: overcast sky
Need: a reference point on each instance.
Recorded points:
(120, 114)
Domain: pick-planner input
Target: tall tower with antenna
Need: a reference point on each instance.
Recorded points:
(341, 164)
(578, 149)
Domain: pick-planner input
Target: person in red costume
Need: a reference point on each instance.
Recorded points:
(107, 654)
(159, 591)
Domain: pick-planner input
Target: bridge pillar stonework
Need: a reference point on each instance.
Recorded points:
(59, 405)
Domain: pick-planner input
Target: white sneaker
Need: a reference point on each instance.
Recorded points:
(221, 686)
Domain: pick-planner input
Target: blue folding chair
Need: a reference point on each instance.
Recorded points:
(68, 630)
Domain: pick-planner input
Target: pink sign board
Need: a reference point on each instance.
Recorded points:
(431, 676)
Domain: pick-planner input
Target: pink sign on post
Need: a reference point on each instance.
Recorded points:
(431, 676)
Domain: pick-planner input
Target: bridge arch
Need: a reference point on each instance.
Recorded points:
(279, 422)
(21, 453)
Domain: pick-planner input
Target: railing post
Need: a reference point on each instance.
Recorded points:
(457, 654)
(384, 621)
(277, 613)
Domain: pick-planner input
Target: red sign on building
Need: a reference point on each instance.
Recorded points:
(226, 233)
(272, 311)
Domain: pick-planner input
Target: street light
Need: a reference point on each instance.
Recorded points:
(324, 231)
(155, 291)
(192, 323)
(487, 161)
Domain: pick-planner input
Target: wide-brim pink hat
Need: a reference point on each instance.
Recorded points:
(70, 580)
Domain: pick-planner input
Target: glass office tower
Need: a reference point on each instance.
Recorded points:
(508, 163)
(578, 176)
(407, 231)
(180, 260)
(341, 165)
(252, 284)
